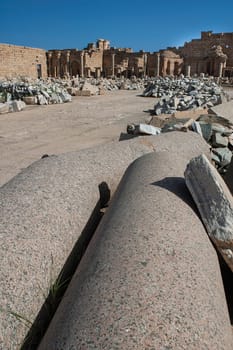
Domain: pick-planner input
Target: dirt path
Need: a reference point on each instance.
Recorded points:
(87, 121)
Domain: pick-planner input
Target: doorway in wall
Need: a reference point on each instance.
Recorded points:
(39, 71)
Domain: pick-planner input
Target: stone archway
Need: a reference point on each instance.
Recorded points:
(168, 69)
(176, 68)
(75, 68)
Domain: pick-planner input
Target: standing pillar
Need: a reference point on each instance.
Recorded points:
(97, 72)
(172, 65)
(220, 69)
(88, 72)
(165, 67)
(67, 65)
(49, 64)
(113, 64)
(145, 65)
(82, 65)
(58, 70)
(188, 70)
(158, 65)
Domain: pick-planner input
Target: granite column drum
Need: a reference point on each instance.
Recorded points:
(150, 278)
(45, 209)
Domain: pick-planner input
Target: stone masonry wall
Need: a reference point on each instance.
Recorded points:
(22, 61)
(212, 54)
(197, 52)
(93, 60)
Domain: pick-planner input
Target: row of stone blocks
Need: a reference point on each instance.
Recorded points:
(150, 277)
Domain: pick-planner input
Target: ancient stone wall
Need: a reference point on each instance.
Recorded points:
(212, 54)
(93, 60)
(126, 63)
(22, 61)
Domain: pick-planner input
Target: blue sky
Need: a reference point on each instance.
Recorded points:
(140, 24)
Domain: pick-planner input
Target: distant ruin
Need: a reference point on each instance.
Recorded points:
(22, 61)
(212, 54)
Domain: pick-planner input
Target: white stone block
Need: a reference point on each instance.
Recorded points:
(214, 202)
(4, 108)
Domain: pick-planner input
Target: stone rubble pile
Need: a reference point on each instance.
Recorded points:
(98, 86)
(15, 94)
(217, 132)
(189, 98)
(183, 94)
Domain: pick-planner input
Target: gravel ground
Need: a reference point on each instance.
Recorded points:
(85, 122)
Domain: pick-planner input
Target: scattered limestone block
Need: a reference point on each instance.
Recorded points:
(30, 100)
(219, 141)
(143, 129)
(223, 154)
(94, 90)
(16, 106)
(214, 202)
(72, 90)
(197, 128)
(42, 100)
(84, 93)
(65, 97)
(4, 108)
(101, 91)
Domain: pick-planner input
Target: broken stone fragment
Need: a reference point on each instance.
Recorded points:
(219, 141)
(148, 129)
(224, 155)
(4, 108)
(42, 100)
(206, 130)
(230, 139)
(214, 202)
(94, 90)
(72, 91)
(30, 100)
(218, 128)
(197, 128)
(143, 129)
(65, 97)
(16, 106)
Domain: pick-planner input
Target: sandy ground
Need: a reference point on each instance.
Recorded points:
(85, 122)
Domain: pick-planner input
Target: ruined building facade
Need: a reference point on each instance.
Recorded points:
(212, 54)
(22, 61)
(101, 60)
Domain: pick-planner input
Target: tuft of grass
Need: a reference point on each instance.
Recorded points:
(23, 319)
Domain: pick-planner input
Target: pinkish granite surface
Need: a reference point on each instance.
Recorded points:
(150, 278)
(43, 211)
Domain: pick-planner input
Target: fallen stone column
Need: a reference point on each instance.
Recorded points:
(150, 278)
(43, 212)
